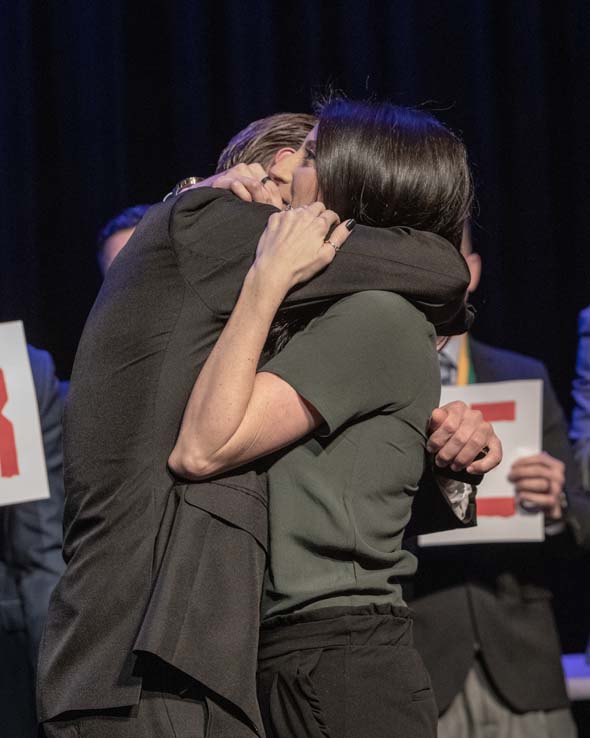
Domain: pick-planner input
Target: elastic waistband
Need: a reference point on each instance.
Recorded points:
(335, 626)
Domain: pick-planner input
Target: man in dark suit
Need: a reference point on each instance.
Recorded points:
(156, 618)
(30, 565)
(484, 624)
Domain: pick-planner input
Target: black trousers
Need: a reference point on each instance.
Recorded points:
(171, 704)
(344, 673)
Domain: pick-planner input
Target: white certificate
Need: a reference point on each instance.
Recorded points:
(23, 473)
(515, 411)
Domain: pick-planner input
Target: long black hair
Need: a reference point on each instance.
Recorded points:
(386, 165)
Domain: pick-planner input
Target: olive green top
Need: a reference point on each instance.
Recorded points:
(340, 499)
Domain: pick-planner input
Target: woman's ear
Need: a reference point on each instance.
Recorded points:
(283, 154)
(474, 263)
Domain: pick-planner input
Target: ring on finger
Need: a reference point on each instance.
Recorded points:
(482, 454)
(333, 245)
(266, 179)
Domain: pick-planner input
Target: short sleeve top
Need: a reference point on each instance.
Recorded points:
(341, 498)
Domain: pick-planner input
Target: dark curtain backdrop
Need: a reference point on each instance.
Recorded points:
(106, 104)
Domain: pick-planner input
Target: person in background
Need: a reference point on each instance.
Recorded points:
(30, 565)
(580, 427)
(115, 234)
(484, 624)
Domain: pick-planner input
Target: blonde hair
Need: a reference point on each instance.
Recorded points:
(260, 141)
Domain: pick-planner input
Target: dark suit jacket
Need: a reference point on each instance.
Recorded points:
(494, 597)
(155, 565)
(30, 565)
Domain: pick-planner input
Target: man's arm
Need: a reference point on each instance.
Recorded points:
(215, 236)
(432, 511)
(463, 447)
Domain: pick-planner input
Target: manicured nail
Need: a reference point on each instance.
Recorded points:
(350, 224)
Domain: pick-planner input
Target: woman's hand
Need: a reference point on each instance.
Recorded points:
(295, 246)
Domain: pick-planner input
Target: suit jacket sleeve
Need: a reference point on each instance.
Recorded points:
(432, 512)
(36, 527)
(215, 237)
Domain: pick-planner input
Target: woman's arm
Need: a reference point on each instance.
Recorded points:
(235, 415)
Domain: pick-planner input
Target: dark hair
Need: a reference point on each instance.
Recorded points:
(386, 165)
(261, 140)
(129, 218)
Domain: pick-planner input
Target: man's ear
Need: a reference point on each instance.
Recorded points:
(474, 263)
(283, 154)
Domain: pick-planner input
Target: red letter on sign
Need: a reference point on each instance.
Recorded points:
(493, 412)
(8, 456)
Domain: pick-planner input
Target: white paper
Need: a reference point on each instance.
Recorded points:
(23, 473)
(519, 404)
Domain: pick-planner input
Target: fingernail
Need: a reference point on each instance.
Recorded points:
(350, 224)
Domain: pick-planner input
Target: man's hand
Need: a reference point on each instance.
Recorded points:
(458, 434)
(540, 482)
(246, 182)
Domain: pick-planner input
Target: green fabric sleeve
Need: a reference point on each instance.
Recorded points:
(369, 352)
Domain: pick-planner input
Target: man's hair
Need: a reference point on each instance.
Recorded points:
(129, 218)
(386, 165)
(261, 140)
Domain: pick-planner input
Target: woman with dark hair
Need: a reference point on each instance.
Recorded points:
(343, 407)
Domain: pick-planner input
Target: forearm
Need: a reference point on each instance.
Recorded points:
(220, 397)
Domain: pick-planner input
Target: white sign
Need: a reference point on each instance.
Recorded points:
(23, 474)
(515, 411)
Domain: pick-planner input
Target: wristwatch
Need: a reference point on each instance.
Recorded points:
(182, 185)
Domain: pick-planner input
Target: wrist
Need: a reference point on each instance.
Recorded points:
(266, 286)
(264, 294)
